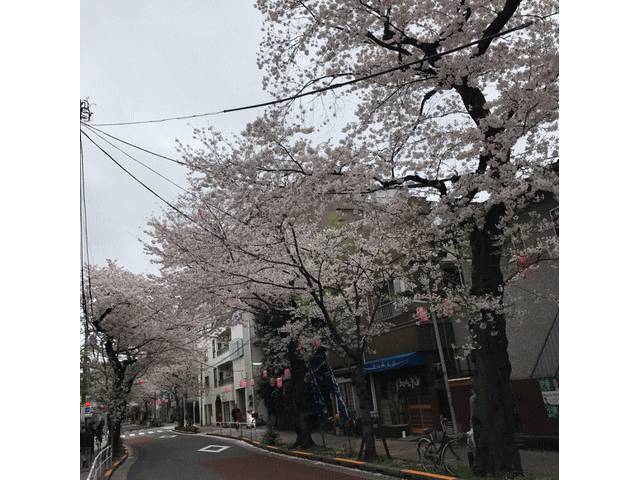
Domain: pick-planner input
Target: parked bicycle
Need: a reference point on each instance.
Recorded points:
(442, 454)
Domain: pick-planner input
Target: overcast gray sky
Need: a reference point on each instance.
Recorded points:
(155, 59)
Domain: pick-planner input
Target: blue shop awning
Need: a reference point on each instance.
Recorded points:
(395, 361)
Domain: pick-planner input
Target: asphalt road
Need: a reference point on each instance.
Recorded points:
(167, 455)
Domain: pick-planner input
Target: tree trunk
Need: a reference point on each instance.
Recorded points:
(302, 425)
(365, 407)
(493, 420)
(115, 426)
(179, 409)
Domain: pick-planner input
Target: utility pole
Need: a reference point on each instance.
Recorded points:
(442, 360)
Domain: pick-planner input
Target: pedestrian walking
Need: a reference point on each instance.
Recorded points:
(86, 447)
(234, 415)
(470, 438)
(99, 434)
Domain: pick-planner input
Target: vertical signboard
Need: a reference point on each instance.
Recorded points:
(549, 388)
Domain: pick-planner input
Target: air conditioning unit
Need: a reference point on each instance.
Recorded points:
(400, 286)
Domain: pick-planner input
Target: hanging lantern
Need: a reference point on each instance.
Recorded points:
(265, 374)
(240, 383)
(287, 373)
(450, 310)
(226, 389)
(422, 314)
(299, 348)
(253, 382)
(272, 381)
(317, 342)
(279, 382)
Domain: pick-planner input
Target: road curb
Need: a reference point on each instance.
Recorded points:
(114, 466)
(343, 462)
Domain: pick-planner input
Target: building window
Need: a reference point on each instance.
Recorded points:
(206, 382)
(346, 390)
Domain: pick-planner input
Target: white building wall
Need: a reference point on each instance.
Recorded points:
(236, 366)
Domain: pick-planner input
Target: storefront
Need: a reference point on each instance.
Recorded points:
(404, 391)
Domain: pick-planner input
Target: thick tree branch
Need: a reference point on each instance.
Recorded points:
(496, 25)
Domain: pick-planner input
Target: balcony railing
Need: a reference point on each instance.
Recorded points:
(387, 311)
(222, 350)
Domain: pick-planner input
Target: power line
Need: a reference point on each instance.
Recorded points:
(92, 127)
(334, 86)
(146, 187)
(136, 160)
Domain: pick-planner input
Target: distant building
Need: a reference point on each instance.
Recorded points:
(230, 369)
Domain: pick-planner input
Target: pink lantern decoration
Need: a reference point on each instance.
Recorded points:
(226, 389)
(422, 314)
(253, 382)
(265, 374)
(279, 382)
(521, 263)
(287, 373)
(317, 342)
(240, 383)
(450, 310)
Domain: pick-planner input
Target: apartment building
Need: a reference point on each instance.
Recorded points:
(230, 371)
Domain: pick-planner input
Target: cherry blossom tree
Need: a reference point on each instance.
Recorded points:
(282, 351)
(456, 104)
(180, 377)
(257, 228)
(473, 129)
(134, 321)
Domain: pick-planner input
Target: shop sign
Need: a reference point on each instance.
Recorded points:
(410, 381)
(550, 391)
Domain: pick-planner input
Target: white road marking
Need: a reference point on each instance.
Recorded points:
(214, 448)
(167, 436)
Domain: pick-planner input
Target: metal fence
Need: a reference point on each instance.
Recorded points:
(101, 463)
(236, 429)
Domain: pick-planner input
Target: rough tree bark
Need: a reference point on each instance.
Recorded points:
(302, 425)
(493, 420)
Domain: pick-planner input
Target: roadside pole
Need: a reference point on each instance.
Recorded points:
(442, 362)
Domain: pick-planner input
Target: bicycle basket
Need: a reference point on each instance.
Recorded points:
(451, 431)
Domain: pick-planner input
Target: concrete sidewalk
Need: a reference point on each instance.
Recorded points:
(534, 462)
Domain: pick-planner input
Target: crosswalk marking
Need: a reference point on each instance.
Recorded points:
(162, 430)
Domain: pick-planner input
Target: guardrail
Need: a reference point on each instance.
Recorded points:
(101, 463)
(228, 428)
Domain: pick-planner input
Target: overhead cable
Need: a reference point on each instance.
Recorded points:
(136, 160)
(146, 187)
(92, 127)
(331, 87)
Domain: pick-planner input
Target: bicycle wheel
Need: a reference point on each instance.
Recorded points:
(427, 453)
(449, 459)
